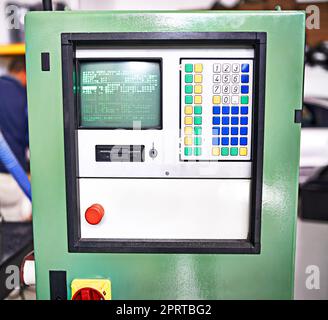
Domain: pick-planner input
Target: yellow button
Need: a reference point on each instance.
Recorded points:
(216, 151)
(188, 109)
(198, 89)
(188, 130)
(243, 151)
(216, 99)
(198, 99)
(198, 78)
(188, 120)
(188, 141)
(198, 67)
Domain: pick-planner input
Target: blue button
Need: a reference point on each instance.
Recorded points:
(244, 89)
(244, 78)
(243, 141)
(234, 110)
(234, 141)
(225, 131)
(225, 110)
(234, 120)
(225, 141)
(216, 110)
(244, 121)
(216, 131)
(225, 120)
(234, 131)
(215, 141)
(216, 120)
(243, 131)
(245, 67)
(244, 110)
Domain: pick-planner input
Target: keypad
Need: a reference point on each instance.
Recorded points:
(217, 109)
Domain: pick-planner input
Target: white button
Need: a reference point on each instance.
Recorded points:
(216, 89)
(235, 99)
(226, 68)
(225, 89)
(225, 99)
(235, 89)
(217, 67)
(235, 67)
(235, 78)
(217, 78)
(225, 78)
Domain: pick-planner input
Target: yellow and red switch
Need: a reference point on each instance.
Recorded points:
(91, 289)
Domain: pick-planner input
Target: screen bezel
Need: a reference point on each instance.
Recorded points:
(123, 59)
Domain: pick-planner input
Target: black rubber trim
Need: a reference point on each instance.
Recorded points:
(75, 243)
(45, 61)
(58, 285)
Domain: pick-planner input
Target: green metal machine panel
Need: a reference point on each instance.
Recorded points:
(268, 275)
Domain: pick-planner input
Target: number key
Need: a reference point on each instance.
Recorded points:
(217, 78)
(226, 68)
(225, 78)
(216, 89)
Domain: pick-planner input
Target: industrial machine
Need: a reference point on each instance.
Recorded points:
(164, 150)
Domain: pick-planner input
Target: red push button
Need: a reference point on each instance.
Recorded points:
(94, 214)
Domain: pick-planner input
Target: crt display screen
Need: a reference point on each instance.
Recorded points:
(120, 94)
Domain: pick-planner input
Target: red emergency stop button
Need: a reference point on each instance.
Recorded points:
(88, 294)
(94, 214)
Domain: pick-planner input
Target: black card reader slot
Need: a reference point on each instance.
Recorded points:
(120, 153)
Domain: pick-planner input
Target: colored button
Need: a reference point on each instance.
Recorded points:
(225, 141)
(216, 151)
(234, 110)
(198, 78)
(215, 141)
(188, 120)
(188, 110)
(198, 67)
(225, 110)
(244, 78)
(243, 131)
(187, 151)
(197, 151)
(197, 131)
(216, 110)
(224, 151)
(189, 67)
(234, 131)
(188, 89)
(244, 121)
(188, 130)
(225, 131)
(234, 151)
(198, 89)
(198, 99)
(216, 99)
(243, 141)
(244, 89)
(225, 120)
(244, 100)
(188, 78)
(198, 110)
(245, 67)
(216, 120)
(188, 100)
(197, 141)
(94, 214)
(244, 110)
(198, 120)
(234, 120)
(234, 142)
(216, 131)
(243, 151)
(188, 141)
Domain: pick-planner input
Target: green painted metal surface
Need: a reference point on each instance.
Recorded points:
(170, 276)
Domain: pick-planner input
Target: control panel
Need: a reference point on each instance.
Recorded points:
(216, 109)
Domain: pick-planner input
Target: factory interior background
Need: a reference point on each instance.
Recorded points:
(16, 242)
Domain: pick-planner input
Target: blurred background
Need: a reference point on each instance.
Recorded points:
(312, 228)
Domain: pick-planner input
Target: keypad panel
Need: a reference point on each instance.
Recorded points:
(216, 109)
